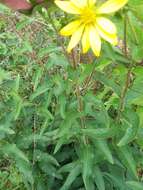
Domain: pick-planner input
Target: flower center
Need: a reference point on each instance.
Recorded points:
(88, 15)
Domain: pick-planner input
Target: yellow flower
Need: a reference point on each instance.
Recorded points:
(91, 24)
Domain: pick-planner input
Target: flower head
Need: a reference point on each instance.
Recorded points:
(91, 24)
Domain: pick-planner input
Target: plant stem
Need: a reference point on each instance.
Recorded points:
(125, 89)
(128, 76)
(79, 98)
(34, 144)
(78, 93)
(87, 82)
(74, 64)
(125, 36)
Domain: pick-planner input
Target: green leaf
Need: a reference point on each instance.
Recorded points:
(26, 170)
(109, 83)
(4, 75)
(37, 77)
(5, 131)
(14, 151)
(63, 140)
(104, 148)
(17, 84)
(57, 60)
(116, 181)
(98, 177)
(18, 107)
(134, 185)
(87, 169)
(62, 103)
(132, 122)
(68, 167)
(46, 51)
(100, 133)
(127, 158)
(3, 9)
(74, 173)
(22, 24)
(21, 160)
(65, 132)
(45, 157)
(39, 91)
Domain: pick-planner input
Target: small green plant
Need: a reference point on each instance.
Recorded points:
(70, 121)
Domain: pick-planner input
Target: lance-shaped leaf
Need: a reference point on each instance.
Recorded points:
(98, 176)
(127, 158)
(134, 185)
(132, 123)
(104, 148)
(100, 133)
(74, 173)
(87, 169)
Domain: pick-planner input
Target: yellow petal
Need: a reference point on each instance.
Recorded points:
(91, 2)
(79, 3)
(111, 38)
(95, 41)
(111, 6)
(75, 38)
(106, 25)
(68, 7)
(85, 40)
(70, 28)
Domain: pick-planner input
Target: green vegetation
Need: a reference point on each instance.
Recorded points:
(70, 121)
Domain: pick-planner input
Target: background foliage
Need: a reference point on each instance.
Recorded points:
(69, 126)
